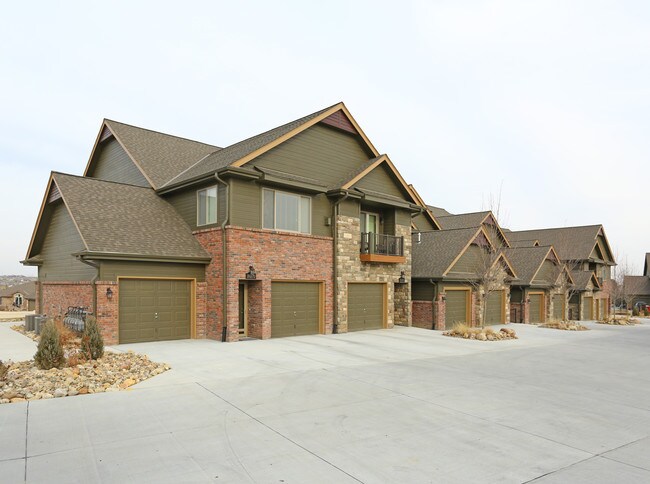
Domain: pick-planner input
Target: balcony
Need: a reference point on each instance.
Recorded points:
(381, 248)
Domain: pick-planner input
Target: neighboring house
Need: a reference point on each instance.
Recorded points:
(581, 303)
(18, 298)
(637, 288)
(483, 219)
(447, 270)
(584, 249)
(538, 294)
(303, 229)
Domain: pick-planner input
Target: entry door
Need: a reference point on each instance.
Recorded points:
(558, 307)
(243, 327)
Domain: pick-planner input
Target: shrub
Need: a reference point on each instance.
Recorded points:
(92, 344)
(50, 352)
(66, 335)
(635, 311)
(646, 312)
(75, 359)
(3, 370)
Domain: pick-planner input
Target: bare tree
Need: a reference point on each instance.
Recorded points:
(564, 286)
(622, 294)
(489, 275)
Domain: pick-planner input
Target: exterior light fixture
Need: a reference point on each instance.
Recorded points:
(402, 279)
(109, 293)
(443, 297)
(251, 274)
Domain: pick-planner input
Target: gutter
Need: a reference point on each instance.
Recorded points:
(92, 281)
(224, 259)
(335, 325)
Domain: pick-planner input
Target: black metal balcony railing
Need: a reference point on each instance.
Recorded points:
(381, 244)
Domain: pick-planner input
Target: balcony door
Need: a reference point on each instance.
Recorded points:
(369, 222)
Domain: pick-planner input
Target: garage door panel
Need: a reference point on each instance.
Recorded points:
(365, 306)
(295, 308)
(154, 310)
(536, 302)
(495, 308)
(588, 308)
(456, 307)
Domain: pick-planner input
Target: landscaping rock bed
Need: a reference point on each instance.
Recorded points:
(620, 321)
(565, 326)
(480, 334)
(112, 372)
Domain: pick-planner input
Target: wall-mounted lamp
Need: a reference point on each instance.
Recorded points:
(402, 278)
(418, 237)
(109, 293)
(508, 296)
(443, 297)
(528, 300)
(251, 274)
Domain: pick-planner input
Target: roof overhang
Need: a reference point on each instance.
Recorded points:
(91, 256)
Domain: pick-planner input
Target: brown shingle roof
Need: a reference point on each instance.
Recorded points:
(637, 285)
(437, 250)
(114, 218)
(235, 152)
(571, 243)
(438, 211)
(526, 261)
(161, 156)
(27, 289)
(462, 220)
(581, 279)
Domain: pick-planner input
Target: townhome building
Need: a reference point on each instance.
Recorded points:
(303, 229)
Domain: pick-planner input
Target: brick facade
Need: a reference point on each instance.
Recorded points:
(276, 256)
(422, 314)
(56, 297)
(107, 311)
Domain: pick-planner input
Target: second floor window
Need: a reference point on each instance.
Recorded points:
(207, 206)
(287, 211)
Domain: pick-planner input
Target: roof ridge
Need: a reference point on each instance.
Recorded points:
(100, 180)
(466, 213)
(558, 228)
(160, 132)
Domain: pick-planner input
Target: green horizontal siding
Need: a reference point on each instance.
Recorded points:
(111, 270)
(185, 203)
(470, 262)
(320, 152)
(382, 180)
(112, 163)
(422, 291)
(60, 241)
(246, 200)
(546, 273)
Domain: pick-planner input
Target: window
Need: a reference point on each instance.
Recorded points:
(286, 211)
(207, 206)
(369, 222)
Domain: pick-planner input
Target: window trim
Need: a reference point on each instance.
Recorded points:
(274, 191)
(365, 214)
(216, 208)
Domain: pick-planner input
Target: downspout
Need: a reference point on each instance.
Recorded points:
(92, 281)
(224, 290)
(433, 303)
(335, 326)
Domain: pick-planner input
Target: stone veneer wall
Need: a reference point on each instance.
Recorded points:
(480, 303)
(351, 269)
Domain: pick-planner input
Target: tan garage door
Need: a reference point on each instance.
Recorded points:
(154, 310)
(295, 308)
(365, 306)
(558, 307)
(495, 308)
(456, 308)
(536, 305)
(588, 309)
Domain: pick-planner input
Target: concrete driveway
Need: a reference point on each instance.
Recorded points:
(402, 405)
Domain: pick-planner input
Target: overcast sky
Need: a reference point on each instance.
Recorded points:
(545, 101)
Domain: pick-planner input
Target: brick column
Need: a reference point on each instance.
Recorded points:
(201, 309)
(107, 311)
(439, 313)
